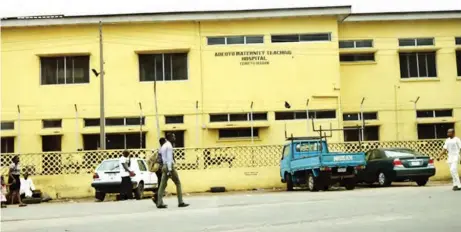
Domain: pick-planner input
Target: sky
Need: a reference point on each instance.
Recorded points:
(14, 8)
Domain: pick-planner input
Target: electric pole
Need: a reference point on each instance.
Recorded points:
(102, 119)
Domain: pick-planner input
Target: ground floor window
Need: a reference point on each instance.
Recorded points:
(179, 143)
(7, 144)
(51, 143)
(371, 133)
(116, 141)
(238, 133)
(434, 131)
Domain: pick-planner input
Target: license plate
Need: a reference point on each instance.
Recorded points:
(415, 163)
(342, 169)
(111, 175)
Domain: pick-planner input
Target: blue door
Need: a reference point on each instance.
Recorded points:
(285, 161)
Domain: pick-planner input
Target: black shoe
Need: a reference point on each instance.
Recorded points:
(183, 205)
(162, 206)
(456, 188)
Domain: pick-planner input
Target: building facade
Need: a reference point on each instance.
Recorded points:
(228, 78)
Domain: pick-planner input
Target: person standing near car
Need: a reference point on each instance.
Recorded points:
(15, 181)
(169, 171)
(452, 147)
(126, 187)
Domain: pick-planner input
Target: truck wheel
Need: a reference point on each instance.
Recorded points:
(312, 183)
(422, 182)
(350, 184)
(383, 180)
(139, 191)
(289, 181)
(100, 196)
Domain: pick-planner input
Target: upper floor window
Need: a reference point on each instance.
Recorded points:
(357, 57)
(293, 115)
(52, 123)
(174, 119)
(293, 38)
(128, 121)
(65, 70)
(242, 39)
(434, 113)
(458, 62)
(418, 64)
(358, 116)
(7, 126)
(458, 40)
(416, 42)
(368, 43)
(237, 117)
(163, 67)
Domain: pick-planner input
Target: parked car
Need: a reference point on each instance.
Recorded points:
(306, 161)
(396, 165)
(107, 179)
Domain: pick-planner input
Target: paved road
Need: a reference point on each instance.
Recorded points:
(389, 209)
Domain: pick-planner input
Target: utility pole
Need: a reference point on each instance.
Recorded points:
(415, 102)
(156, 106)
(76, 127)
(251, 121)
(19, 130)
(102, 119)
(197, 128)
(140, 125)
(307, 116)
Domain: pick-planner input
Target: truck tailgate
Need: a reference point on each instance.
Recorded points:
(343, 159)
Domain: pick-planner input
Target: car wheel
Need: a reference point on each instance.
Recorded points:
(422, 182)
(350, 184)
(312, 183)
(100, 196)
(383, 180)
(139, 191)
(326, 187)
(289, 181)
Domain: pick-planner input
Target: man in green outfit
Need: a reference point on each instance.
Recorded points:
(169, 171)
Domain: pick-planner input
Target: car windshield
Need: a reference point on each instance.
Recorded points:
(109, 165)
(400, 153)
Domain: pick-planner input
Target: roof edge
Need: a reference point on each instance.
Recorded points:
(54, 20)
(402, 16)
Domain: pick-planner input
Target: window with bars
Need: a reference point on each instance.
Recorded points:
(296, 38)
(229, 40)
(360, 57)
(163, 67)
(406, 42)
(294, 115)
(418, 64)
(358, 116)
(434, 113)
(458, 40)
(238, 117)
(434, 131)
(127, 121)
(368, 43)
(65, 70)
(371, 133)
(7, 145)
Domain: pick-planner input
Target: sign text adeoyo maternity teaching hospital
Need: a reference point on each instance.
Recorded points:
(253, 57)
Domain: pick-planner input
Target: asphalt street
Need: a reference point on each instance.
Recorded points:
(410, 208)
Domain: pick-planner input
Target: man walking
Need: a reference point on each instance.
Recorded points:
(169, 171)
(156, 164)
(452, 146)
(126, 187)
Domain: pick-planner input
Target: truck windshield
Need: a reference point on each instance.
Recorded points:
(308, 147)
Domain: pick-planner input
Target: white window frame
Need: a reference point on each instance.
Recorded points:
(304, 41)
(407, 57)
(433, 113)
(65, 72)
(416, 41)
(163, 67)
(360, 115)
(355, 43)
(226, 37)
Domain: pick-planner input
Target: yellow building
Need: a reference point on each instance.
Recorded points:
(213, 69)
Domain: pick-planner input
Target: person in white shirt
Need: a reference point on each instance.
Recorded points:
(452, 147)
(27, 186)
(126, 187)
(168, 171)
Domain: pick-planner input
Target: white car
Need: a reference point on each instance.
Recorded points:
(107, 179)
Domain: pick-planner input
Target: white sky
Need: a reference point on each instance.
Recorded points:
(12, 8)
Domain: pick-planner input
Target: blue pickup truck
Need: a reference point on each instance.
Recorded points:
(307, 162)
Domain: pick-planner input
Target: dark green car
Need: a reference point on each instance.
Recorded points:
(396, 165)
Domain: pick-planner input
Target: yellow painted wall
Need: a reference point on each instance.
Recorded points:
(71, 186)
(380, 82)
